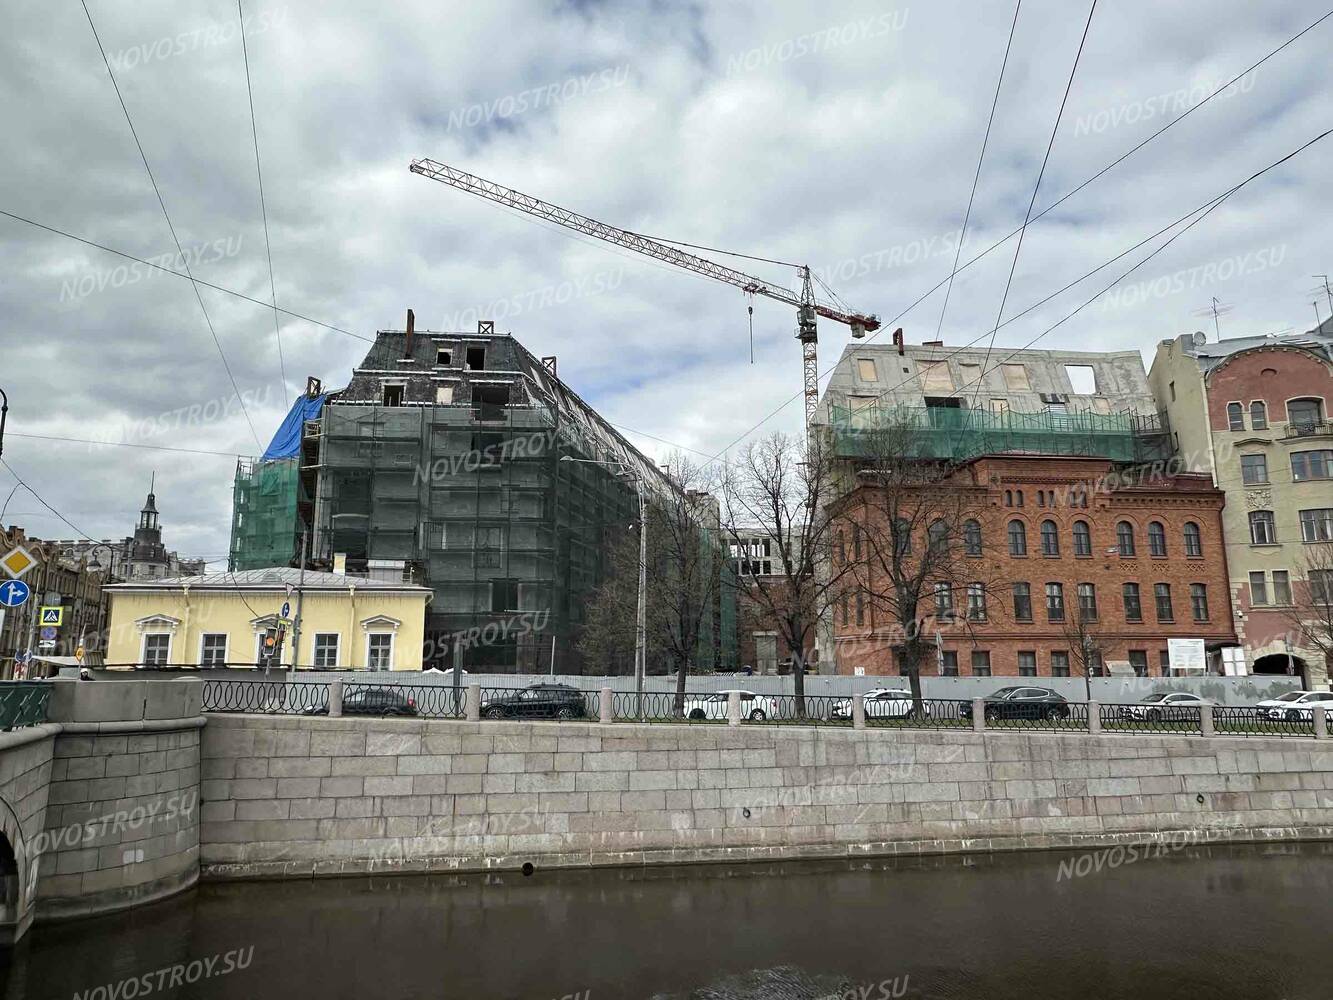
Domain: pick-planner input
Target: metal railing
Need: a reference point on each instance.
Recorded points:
(23, 703)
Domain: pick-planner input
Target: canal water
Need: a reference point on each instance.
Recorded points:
(1196, 923)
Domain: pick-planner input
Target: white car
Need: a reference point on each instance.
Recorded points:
(880, 703)
(1295, 706)
(755, 707)
(1165, 705)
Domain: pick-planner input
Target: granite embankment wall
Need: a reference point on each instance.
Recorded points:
(297, 796)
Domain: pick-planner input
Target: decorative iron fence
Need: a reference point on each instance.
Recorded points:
(23, 703)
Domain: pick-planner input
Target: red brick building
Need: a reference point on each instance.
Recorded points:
(1145, 558)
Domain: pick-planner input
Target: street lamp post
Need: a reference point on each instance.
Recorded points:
(641, 614)
(4, 415)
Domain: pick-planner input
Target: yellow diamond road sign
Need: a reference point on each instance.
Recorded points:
(17, 561)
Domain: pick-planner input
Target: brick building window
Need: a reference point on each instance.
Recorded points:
(972, 538)
(1162, 596)
(1082, 539)
(1193, 540)
(856, 542)
(1124, 538)
(1235, 416)
(1164, 662)
(1087, 601)
(860, 607)
(1156, 539)
(1199, 601)
(949, 663)
(976, 602)
(1059, 663)
(1263, 530)
(1050, 539)
(1138, 659)
(1258, 590)
(944, 601)
(1129, 593)
(1253, 469)
(1281, 587)
(980, 663)
(1258, 415)
(1018, 539)
(1022, 602)
(1027, 663)
(1055, 602)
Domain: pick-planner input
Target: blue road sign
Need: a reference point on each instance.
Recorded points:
(48, 632)
(13, 593)
(286, 610)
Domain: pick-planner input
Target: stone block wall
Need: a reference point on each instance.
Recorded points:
(324, 796)
(25, 773)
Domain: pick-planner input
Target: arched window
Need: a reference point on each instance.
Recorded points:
(972, 538)
(1303, 416)
(1156, 539)
(937, 535)
(1082, 539)
(1041, 498)
(1193, 540)
(1124, 538)
(1018, 495)
(1008, 498)
(1235, 417)
(1258, 415)
(1050, 539)
(1018, 539)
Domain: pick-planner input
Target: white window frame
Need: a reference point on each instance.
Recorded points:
(143, 648)
(226, 645)
(337, 650)
(369, 637)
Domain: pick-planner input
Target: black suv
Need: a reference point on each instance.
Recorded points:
(1021, 703)
(540, 701)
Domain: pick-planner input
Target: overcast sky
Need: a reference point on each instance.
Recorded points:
(844, 135)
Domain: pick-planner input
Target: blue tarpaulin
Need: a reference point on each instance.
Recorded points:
(286, 442)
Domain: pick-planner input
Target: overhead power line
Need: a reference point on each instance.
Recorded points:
(38, 496)
(126, 444)
(985, 141)
(185, 261)
(1032, 202)
(172, 271)
(263, 207)
(1205, 207)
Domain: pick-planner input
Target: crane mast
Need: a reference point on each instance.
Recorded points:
(808, 309)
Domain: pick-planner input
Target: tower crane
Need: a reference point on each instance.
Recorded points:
(807, 308)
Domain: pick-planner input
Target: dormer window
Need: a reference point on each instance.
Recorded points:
(444, 357)
(392, 393)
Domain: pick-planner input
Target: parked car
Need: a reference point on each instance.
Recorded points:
(537, 701)
(1021, 703)
(1295, 706)
(372, 701)
(755, 707)
(1170, 706)
(880, 703)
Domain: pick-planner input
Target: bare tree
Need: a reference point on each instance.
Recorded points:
(910, 531)
(685, 561)
(784, 489)
(1087, 646)
(1311, 611)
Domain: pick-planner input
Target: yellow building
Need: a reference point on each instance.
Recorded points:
(221, 619)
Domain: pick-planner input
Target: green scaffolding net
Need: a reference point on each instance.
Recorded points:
(957, 434)
(265, 513)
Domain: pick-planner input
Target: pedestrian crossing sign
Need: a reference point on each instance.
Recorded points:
(52, 616)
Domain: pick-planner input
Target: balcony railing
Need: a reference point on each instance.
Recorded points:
(1306, 429)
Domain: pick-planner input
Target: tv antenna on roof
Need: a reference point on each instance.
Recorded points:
(1328, 292)
(1215, 310)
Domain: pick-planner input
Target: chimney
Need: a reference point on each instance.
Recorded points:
(898, 339)
(407, 341)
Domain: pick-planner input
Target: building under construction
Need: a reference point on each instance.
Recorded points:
(461, 462)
